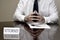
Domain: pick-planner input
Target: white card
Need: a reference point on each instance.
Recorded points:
(11, 33)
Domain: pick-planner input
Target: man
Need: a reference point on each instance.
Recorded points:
(47, 13)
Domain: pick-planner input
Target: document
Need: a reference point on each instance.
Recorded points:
(42, 26)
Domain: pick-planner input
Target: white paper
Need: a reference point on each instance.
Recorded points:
(42, 26)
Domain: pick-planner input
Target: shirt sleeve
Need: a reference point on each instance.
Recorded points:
(19, 11)
(53, 17)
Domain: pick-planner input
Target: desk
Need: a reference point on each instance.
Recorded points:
(11, 24)
(34, 32)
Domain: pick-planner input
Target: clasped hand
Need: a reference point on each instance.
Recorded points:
(34, 17)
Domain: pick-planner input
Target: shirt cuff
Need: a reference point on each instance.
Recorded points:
(22, 19)
(47, 20)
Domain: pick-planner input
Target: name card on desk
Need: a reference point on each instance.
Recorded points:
(11, 33)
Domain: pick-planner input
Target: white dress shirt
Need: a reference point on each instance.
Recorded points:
(47, 9)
